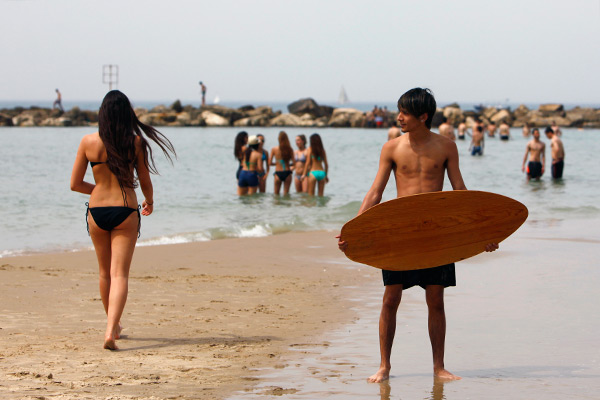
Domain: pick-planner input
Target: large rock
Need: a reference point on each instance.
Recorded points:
(502, 116)
(212, 119)
(231, 114)
(305, 106)
(489, 112)
(550, 108)
(345, 117)
(521, 111)
(255, 120)
(286, 120)
(5, 120)
(454, 115)
(184, 118)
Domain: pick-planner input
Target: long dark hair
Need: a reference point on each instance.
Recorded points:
(240, 141)
(287, 153)
(316, 146)
(118, 127)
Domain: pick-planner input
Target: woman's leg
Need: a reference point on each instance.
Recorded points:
(277, 185)
(252, 189)
(312, 182)
(298, 184)
(305, 185)
(123, 239)
(242, 191)
(287, 184)
(321, 187)
(101, 241)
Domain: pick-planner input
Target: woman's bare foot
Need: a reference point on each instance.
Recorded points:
(110, 344)
(383, 374)
(446, 375)
(118, 331)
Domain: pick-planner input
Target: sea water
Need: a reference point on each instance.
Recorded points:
(196, 200)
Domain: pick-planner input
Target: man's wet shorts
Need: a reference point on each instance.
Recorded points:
(534, 169)
(443, 275)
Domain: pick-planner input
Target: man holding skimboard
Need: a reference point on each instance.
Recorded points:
(419, 159)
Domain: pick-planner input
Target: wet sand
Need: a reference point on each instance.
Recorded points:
(201, 322)
(522, 322)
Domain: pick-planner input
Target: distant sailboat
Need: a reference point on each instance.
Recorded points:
(217, 100)
(343, 97)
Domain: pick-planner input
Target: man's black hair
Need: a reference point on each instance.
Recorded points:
(418, 101)
(548, 130)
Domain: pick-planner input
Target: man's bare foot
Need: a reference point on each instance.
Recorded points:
(446, 375)
(382, 375)
(110, 344)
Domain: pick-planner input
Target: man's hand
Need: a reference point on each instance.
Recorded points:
(341, 244)
(491, 247)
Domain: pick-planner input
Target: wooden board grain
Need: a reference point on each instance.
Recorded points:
(431, 229)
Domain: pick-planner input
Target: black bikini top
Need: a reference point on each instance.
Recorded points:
(94, 163)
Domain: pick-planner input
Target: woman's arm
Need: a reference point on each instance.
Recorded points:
(144, 177)
(78, 172)
(308, 164)
(326, 164)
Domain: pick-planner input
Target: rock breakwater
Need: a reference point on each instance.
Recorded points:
(305, 112)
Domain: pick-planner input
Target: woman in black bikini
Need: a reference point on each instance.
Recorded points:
(114, 152)
(282, 158)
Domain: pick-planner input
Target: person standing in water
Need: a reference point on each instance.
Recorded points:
(446, 129)
(317, 166)
(526, 130)
(394, 131)
(462, 130)
(558, 153)
(300, 155)
(477, 141)
(251, 166)
(419, 160)
(264, 162)
(120, 156)
(504, 131)
(282, 157)
(536, 149)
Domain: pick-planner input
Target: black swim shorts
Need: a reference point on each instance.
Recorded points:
(443, 275)
(534, 169)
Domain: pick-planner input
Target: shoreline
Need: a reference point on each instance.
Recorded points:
(201, 321)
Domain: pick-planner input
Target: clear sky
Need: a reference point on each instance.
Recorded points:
(278, 50)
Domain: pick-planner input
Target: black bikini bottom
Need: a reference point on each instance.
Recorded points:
(283, 175)
(108, 218)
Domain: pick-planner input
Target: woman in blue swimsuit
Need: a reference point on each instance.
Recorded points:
(116, 153)
(300, 155)
(251, 166)
(316, 166)
(282, 157)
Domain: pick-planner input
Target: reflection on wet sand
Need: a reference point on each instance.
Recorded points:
(437, 391)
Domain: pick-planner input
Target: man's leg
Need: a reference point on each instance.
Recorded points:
(387, 329)
(437, 329)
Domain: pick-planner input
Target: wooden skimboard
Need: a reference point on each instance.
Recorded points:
(431, 229)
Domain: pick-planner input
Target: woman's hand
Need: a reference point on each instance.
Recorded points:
(342, 245)
(147, 208)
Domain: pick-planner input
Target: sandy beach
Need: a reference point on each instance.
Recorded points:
(202, 319)
(289, 317)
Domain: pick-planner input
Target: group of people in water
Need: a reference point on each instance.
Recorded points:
(307, 167)
(535, 157)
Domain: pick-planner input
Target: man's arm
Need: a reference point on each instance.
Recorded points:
(453, 168)
(525, 158)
